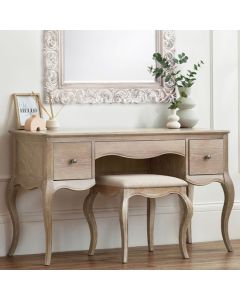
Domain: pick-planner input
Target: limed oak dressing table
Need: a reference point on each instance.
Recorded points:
(71, 159)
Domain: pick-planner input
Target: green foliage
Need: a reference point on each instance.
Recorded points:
(175, 104)
(183, 94)
(170, 73)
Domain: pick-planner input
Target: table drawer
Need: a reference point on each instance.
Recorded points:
(139, 149)
(72, 160)
(205, 157)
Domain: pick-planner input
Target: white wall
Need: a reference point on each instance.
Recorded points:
(216, 93)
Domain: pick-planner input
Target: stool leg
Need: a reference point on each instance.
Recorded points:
(88, 212)
(186, 219)
(151, 206)
(123, 217)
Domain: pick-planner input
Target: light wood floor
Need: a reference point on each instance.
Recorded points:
(204, 256)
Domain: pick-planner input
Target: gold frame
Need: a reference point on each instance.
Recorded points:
(37, 99)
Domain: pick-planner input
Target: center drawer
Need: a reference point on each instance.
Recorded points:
(72, 160)
(139, 149)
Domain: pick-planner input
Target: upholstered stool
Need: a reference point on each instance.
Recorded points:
(147, 185)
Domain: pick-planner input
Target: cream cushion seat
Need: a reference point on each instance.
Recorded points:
(139, 181)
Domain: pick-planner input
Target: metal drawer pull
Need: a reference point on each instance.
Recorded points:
(73, 161)
(208, 156)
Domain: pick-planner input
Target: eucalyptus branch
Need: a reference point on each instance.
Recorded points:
(175, 104)
(170, 73)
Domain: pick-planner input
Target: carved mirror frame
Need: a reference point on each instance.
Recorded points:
(93, 93)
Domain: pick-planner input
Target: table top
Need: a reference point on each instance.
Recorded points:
(132, 131)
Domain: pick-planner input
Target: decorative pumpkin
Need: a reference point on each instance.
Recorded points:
(35, 123)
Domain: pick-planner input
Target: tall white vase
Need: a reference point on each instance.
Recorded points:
(187, 112)
(173, 120)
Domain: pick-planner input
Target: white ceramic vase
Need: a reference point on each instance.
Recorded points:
(187, 112)
(52, 124)
(173, 119)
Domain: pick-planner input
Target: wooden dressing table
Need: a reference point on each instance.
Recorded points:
(54, 160)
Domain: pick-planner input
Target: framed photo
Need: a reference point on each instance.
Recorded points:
(26, 105)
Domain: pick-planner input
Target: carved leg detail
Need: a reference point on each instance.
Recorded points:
(47, 192)
(190, 191)
(88, 212)
(228, 189)
(11, 205)
(186, 219)
(151, 206)
(123, 217)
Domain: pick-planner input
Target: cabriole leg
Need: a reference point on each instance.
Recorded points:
(190, 191)
(228, 189)
(186, 219)
(11, 194)
(88, 212)
(47, 193)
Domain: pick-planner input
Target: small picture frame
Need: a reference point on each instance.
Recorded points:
(26, 105)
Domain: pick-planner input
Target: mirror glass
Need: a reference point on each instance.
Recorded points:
(108, 55)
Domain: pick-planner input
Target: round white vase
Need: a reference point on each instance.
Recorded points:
(173, 119)
(52, 124)
(187, 113)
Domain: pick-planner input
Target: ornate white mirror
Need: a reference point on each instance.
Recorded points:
(105, 66)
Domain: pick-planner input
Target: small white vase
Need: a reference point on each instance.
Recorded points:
(52, 124)
(173, 119)
(187, 113)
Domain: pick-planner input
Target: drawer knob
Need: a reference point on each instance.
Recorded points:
(73, 161)
(208, 156)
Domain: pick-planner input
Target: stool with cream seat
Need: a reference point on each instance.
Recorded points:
(147, 185)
